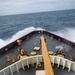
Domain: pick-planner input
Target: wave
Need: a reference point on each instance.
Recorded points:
(68, 33)
(18, 35)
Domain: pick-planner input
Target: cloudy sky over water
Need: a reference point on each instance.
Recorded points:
(9, 7)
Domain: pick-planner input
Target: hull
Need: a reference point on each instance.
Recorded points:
(28, 42)
(14, 43)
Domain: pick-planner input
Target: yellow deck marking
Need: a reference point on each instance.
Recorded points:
(46, 59)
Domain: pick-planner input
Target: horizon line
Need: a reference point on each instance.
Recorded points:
(37, 12)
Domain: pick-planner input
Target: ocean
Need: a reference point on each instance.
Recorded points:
(60, 22)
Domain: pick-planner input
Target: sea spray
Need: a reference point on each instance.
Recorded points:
(68, 33)
(18, 35)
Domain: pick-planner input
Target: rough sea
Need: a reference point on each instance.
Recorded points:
(59, 22)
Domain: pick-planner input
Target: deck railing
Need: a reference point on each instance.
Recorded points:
(38, 58)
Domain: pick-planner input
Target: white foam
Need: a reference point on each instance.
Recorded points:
(18, 35)
(68, 33)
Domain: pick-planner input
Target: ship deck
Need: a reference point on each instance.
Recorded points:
(57, 71)
(28, 46)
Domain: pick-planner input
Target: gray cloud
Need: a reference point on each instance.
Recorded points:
(8, 7)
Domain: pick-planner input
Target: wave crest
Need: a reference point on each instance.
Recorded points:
(18, 35)
(68, 33)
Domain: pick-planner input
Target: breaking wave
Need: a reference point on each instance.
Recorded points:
(18, 35)
(68, 33)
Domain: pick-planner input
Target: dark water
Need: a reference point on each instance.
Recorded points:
(52, 21)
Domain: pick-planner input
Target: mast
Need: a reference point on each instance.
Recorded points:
(46, 59)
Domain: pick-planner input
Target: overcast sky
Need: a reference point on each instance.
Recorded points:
(8, 7)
